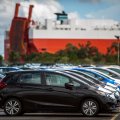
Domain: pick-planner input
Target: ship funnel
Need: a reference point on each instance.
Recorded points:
(30, 12)
(16, 10)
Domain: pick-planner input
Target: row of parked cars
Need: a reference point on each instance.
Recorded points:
(89, 90)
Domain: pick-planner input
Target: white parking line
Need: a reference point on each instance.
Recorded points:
(113, 118)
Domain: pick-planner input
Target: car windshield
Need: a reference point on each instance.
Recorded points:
(106, 72)
(90, 78)
(115, 69)
(74, 77)
(81, 78)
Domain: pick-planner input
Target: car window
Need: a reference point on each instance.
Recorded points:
(30, 78)
(108, 73)
(104, 71)
(12, 79)
(114, 69)
(94, 76)
(89, 73)
(1, 70)
(5, 70)
(56, 79)
(75, 84)
(87, 77)
(99, 78)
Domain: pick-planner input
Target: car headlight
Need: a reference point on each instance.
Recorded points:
(116, 94)
(112, 96)
(101, 93)
(118, 89)
(117, 84)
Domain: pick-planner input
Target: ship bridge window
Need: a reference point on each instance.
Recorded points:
(83, 29)
(77, 29)
(44, 27)
(67, 28)
(104, 28)
(96, 28)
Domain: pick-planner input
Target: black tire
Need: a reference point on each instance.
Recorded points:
(89, 107)
(13, 107)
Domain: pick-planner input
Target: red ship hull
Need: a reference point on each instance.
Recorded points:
(54, 45)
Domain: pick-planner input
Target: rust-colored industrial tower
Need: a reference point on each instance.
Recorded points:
(19, 41)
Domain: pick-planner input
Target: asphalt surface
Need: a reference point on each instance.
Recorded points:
(60, 116)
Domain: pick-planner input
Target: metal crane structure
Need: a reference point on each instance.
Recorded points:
(18, 40)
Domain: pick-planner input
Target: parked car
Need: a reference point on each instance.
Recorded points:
(108, 86)
(112, 77)
(8, 69)
(113, 68)
(26, 91)
(108, 72)
(99, 76)
(93, 83)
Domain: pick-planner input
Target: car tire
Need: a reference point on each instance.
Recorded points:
(13, 107)
(89, 107)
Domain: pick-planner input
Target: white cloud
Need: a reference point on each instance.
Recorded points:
(42, 10)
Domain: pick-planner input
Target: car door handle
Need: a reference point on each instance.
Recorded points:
(50, 89)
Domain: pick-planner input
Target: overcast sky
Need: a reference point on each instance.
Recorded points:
(79, 9)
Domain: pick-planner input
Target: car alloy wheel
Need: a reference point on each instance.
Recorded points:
(12, 107)
(90, 107)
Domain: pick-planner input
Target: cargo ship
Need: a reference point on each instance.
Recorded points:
(27, 36)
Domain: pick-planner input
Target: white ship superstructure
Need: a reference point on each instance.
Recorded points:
(101, 33)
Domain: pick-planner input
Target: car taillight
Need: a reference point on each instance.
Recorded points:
(2, 85)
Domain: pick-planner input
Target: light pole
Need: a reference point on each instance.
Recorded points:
(118, 46)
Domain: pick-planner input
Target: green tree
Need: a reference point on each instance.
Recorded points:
(14, 57)
(1, 60)
(40, 57)
(112, 50)
(64, 59)
(86, 54)
(111, 56)
(47, 57)
(111, 59)
(71, 52)
(33, 57)
(87, 51)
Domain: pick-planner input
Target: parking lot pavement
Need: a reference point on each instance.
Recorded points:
(60, 116)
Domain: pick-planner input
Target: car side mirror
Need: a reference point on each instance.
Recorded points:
(69, 86)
